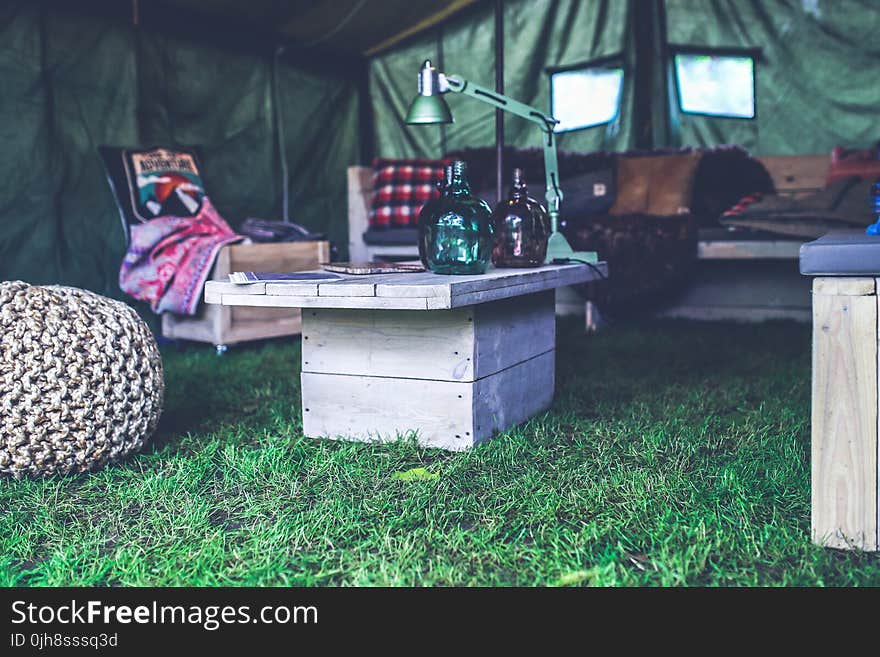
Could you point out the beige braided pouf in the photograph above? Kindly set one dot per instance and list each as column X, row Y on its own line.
column 80, row 380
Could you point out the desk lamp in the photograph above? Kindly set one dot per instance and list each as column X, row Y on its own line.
column 429, row 108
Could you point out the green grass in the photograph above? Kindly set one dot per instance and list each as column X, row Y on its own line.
column 674, row 454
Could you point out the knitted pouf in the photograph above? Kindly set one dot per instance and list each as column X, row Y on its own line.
column 80, row 380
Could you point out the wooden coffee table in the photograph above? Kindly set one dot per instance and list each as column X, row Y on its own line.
column 454, row 358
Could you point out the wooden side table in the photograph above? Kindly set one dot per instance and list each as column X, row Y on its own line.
column 845, row 503
column 453, row 358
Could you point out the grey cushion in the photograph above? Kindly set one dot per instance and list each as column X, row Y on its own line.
column 844, row 253
column 404, row 235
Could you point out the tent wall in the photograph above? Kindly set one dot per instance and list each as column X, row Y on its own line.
column 72, row 83
column 538, row 34
column 815, row 75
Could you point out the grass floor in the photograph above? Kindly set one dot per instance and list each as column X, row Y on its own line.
column 674, row 454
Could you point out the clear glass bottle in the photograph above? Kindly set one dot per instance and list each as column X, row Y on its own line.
column 522, row 228
column 455, row 231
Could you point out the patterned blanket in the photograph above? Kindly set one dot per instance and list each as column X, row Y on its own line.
column 169, row 259
column 843, row 204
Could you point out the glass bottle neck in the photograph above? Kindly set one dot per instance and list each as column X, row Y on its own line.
column 458, row 186
column 518, row 191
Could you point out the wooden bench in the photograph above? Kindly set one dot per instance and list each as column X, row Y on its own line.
column 453, row 358
column 360, row 195
column 225, row 326
column 755, row 279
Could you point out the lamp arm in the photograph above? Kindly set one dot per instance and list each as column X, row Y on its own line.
column 545, row 122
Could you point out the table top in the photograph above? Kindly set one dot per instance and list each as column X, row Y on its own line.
column 421, row 291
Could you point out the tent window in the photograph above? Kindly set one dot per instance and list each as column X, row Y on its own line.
column 717, row 85
column 585, row 97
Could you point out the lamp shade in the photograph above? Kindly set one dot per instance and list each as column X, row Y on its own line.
column 428, row 109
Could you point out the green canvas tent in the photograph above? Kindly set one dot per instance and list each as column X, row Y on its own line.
column 286, row 95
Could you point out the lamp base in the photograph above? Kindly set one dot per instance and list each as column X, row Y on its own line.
column 558, row 248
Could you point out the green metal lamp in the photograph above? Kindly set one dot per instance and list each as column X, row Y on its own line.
column 429, row 108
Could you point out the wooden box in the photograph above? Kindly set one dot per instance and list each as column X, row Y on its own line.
column 456, row 376
column 844, row 414
column 225, row 325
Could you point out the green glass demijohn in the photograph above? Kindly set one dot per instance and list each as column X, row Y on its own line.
column 455, row 230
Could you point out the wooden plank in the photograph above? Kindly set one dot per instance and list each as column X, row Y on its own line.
column 360, row 286
column 842, row 286
column 486, row 296
column 512, row 396
column 382, row 252
column 844, row 421
column 791, row 173
column 749, row 250
column 360, row 181
column 220, row 317
column 369, row 303
column 277, row 256
column 251, row 314
column 443, row 414
column 453, row 345
column 347, row 288
column 732, row 313
column 513, row 330
column 565, row 277
column 225, row 287
column 426, row 284
column 383, row 409
column 395, row 343
column 199, row 328
column 262, row 329
column 430, row 285
column 728, row 290
column 570, row 302
column 292, row 289
column 501, row 277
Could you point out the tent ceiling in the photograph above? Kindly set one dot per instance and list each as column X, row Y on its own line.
column 349, row 26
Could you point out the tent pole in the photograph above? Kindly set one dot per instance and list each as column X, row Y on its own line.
column 499, row 87
column 279, row 131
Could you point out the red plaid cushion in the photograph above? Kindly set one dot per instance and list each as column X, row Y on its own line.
column 401, row 188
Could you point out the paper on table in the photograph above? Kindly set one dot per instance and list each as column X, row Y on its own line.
column 243, row 277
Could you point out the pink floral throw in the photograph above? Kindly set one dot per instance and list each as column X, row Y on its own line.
column 169, row 259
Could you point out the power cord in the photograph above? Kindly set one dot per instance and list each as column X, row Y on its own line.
column 599, row 296
column 568, row 261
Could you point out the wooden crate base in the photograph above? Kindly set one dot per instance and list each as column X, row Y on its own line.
column 453, row 377
column 845, row 414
